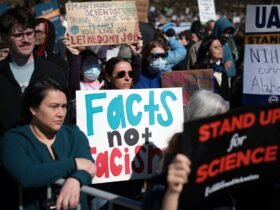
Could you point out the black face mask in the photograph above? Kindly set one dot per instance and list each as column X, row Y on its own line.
column 223, row 39
column 153, row 71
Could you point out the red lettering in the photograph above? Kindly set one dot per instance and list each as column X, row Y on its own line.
column 276, row 115
column 236, row 160
column 271, row 153
column 225, row 128
column 214, row 126
column 130, row 37
column 230, row 162
column 102, row 165
column 236, row 123
column 127, row 161
column 201, row 174
column 265, row 119
column 249, row 120
column 255, row 158
column 214, row 168
column 243, row 158
column 115, row 169
column 222, row 165
column 204, row 133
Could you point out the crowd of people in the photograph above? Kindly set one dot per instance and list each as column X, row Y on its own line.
column 40, row 142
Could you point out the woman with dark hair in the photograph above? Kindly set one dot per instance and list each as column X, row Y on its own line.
column 44, row 150
column 118, row 74
column 159, row 56
column 210, row 56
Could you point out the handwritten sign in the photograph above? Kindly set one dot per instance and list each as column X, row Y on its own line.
column 102, row 23
column 142, row 9
column 206, row 10
column 128, row 129
column 262, row 75
column 261, row 58
column 240, row 147
column 189, row 80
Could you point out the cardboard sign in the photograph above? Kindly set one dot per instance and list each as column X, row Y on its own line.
column 102, row 23
column 128, row 129
column 142, row 9
column 240, row 147
column 207, row 10
column 190, row 80
column 261, row 77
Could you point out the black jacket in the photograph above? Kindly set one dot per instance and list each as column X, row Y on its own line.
column 10, row 91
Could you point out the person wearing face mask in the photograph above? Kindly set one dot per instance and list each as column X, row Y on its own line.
column 85, row 69
column 223, row 30
column 159, row 56
column 91, row 70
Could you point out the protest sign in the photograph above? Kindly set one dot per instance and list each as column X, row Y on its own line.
column 102, row 23
column 261, row 77
column 189, row 80
column 50, row 11
column 142, row 9
column 127, row 129
column 207, row 10
column 229, row 150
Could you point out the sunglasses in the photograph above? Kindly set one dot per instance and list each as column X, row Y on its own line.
column 159, row 55
column 121, row 74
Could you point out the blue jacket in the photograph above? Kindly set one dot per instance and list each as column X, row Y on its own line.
column 29, row 162
column 218, row 30
column 176, row 53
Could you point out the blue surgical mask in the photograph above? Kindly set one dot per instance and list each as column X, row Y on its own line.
column 91, row 72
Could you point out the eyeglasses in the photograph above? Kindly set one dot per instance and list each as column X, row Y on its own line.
column 159, row 55
column 20, row 36
column 121, row 74
column 39, row 32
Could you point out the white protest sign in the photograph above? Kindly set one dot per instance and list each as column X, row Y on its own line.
column 206, row 10
column 127, row 129
column 262, row 70
column 261, row 78
column 262, row 18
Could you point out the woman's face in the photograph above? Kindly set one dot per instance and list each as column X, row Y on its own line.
column 51, row 113
column 216, row 50
column 157, row 53
column 122, row 76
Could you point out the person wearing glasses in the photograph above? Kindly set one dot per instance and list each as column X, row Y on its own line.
column 119, row 73
column 44, row 43
column 18, row 72
column 159, row 56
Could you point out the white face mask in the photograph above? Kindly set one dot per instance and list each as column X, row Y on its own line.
column 91, row 72
column 160, row 64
